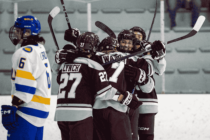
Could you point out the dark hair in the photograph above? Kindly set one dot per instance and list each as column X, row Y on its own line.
column 33, row 40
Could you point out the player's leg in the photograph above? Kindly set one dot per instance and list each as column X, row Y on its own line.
column 134, row 116
column 196, row 6
column 64, row 128
column 39, row 133
column 171, row 5
column 112, row 124
column 83, row 130
column 146, row 126
column 119, row 125
column 101, row 125
column 23, row 131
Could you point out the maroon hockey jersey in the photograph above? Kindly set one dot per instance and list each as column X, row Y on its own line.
column 80, row 83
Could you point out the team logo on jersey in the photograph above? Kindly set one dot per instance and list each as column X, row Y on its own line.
column 28, row 49
column 71, row 68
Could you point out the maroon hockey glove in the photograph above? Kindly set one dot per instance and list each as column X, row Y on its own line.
column 158, row 50
column 65, row 56
column 72, row 36
column 135, row 74
column 131, row 100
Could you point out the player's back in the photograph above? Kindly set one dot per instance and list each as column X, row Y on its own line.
column 80, row 82
column 115, row 71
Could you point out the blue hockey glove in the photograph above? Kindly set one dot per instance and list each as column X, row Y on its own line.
column 9, row 117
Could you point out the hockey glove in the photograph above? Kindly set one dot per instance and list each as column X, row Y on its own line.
column 63, row 55
column 135, row 74
column 9, row 117
column 72, row 36
column 60, row 56
column 131, row 100
column 158, row 50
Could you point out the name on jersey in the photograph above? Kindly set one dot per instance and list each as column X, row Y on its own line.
column 43, row 55
column 71, row 68
column 107, row 58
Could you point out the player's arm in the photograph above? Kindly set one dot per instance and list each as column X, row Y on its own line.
column 104, row 91
column 157, row 60
column 72, row 36
column 143, row 81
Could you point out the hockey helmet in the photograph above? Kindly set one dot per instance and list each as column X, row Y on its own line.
column 128, row 35
column 87, row 43
column 139, row 30
column 24, row 23
column 108, row 43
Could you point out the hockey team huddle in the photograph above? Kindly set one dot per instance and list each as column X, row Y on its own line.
column 95, row 101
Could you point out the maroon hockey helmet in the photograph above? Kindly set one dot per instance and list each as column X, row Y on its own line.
column 87, row 42
column 108, row 43
column 140, row 30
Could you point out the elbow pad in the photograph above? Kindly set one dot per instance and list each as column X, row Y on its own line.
column 147, row 87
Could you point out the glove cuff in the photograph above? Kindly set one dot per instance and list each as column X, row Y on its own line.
column 127, row 99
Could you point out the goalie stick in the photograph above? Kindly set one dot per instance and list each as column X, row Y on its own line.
column 105, row 28
column 195, row 29
column 66, row 15
column 51, row 16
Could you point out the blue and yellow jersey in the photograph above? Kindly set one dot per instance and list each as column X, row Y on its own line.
column 31, row 82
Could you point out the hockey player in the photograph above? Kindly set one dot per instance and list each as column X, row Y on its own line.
column 31, row 82
column 115, row 73
column 149, row 107
column 126, row 39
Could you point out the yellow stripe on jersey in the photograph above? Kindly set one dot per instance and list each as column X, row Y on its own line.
column 24, row 74
column 41, row 100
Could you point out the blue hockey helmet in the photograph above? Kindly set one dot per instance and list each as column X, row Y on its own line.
column 23, row 23
column 28, row 22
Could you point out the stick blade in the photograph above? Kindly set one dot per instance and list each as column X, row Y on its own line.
column 54, row 11
column 105, row 28
column 199, row 23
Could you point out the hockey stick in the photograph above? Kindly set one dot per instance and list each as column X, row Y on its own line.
column 105, row 28
column 66, row 15
column 152, row 22
column 195, row 29
column 51, row 16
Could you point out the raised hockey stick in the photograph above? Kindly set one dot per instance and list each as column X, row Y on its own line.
column 152, row 22
column 51, row 16
column 66, row 15
column 195, row 29
column 105, row 28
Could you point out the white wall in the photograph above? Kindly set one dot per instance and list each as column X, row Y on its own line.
column 180, row 117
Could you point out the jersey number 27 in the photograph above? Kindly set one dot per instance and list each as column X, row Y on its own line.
column 66, row 78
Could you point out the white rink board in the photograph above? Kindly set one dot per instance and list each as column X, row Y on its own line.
column 180, row 117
